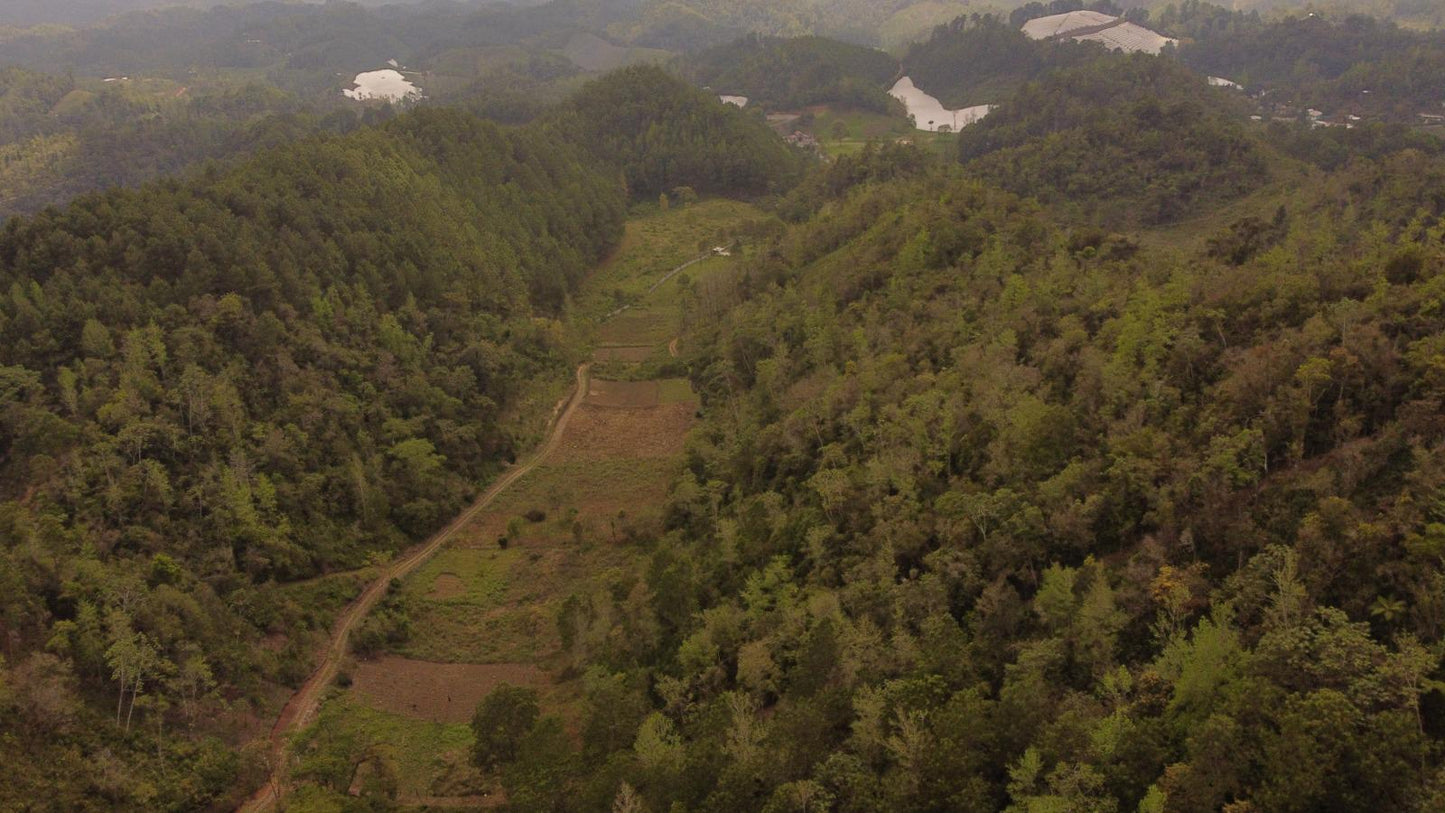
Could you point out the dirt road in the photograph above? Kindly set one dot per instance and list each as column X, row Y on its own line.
column 304, row 703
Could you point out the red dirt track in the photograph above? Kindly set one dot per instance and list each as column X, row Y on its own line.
column 303, row 705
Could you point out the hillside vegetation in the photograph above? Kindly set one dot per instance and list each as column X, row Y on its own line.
column 220, row 390
column 989, row 513
column 60, row 137
column 1120, row 140
column 983, row 60
column 667, row 134
column 794, row 73
column 1097, row 465
column 1339, row 64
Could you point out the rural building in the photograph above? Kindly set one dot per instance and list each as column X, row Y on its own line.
column 1114, row 33
column 802, row 139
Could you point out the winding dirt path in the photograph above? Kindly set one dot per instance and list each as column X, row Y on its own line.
column 303, row 704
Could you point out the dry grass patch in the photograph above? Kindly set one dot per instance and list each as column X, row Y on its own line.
column 439, row 692
column 635, row 354
column 447, row 585
column 605, row 484
column 639, row 326
column 623, row 393
column 676, row 391
column 601, row 433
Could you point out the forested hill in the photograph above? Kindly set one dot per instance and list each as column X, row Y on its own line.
column 987, row 513
column 792, row 73
column 263, row 373
column 60, row 137
column 1337, row 63
column 219, row 389
column 667, row 134
column 982, row 60
column 1120, row 140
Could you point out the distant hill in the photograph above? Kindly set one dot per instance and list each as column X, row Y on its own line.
column 1427, row 13
column 665, row 134
column 1341, row 65
column 970, row 62
column 85, row 12
column 1122, row 140
column 792, row 73
column 889, row 23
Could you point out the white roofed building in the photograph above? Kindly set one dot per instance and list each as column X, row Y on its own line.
column 1061, row 25
column 1114, row 33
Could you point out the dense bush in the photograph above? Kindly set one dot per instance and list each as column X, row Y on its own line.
column 667, row 134
column 261, row 374
column 990, row 514
column 793, row 73
column 1119, row 140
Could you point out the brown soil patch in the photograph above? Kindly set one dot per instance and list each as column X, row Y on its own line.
column 447, row 585
column 497, row 799
column 627, row 355
column 636, row 326
column 610, row 433
column 440, row 692
column 623, row 393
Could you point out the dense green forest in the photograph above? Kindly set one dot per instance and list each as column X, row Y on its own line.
column 792, row 73
column 1094, row 465
column 983, row 60
column 989, row 512
column 60, row 138
column 1126, row 139
column 155, row 93
column 258, row 375
column 300, row 47
column 668, row 134
column 223, row 388
column 1339, row 64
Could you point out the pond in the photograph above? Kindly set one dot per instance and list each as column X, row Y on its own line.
column 384, row 84
column 929, row 113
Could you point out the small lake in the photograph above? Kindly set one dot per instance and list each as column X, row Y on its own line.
column 385, row 84
column 929, row 113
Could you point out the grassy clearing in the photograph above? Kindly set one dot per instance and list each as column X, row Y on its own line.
column 635, row 342
column 508, row 611
column 835, row 124
column 426, row 758
column 1290, row 180
column 655, row 243
column 846, row 131
column 642, row 325
column 317, row 601
column 481, row 576
column 676, row 391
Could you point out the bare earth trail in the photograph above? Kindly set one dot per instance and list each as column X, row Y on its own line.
column 303, row 705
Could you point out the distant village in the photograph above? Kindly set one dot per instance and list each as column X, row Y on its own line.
column 1115, row 33
column 1122, row 35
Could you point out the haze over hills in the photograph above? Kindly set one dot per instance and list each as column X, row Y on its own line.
column 83, row 12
